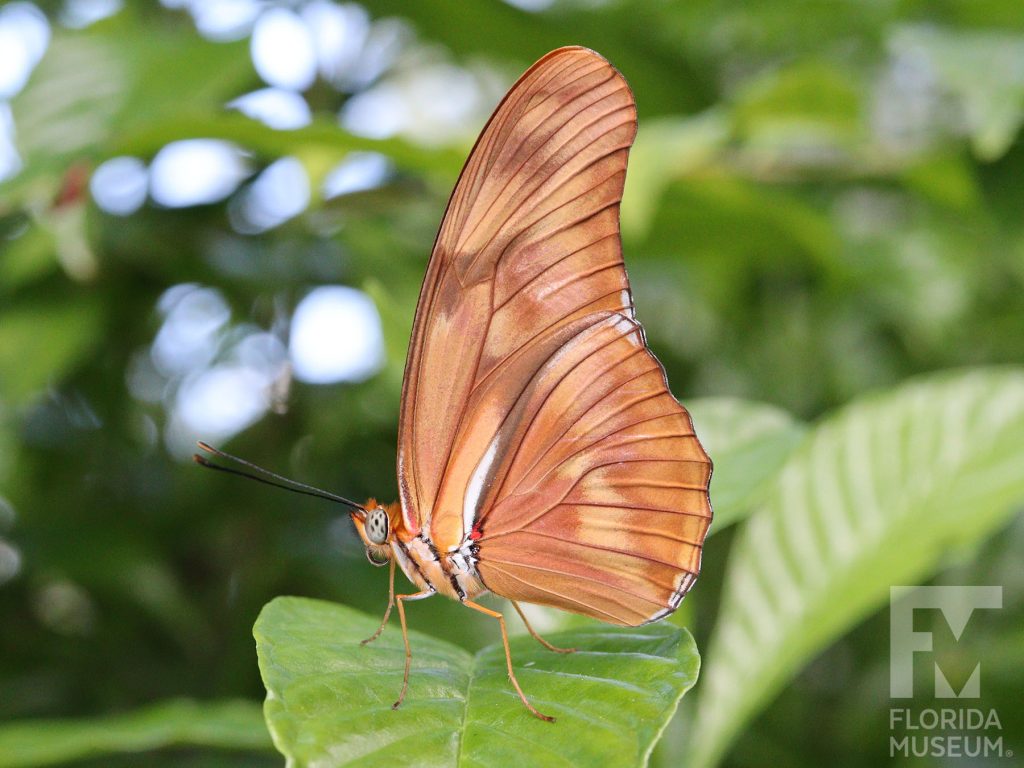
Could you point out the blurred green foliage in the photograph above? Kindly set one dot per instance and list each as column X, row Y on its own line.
column 824, row 199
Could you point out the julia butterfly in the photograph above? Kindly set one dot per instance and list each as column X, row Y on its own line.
column 541, row 455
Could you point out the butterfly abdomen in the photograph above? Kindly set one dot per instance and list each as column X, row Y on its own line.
column 452, row 574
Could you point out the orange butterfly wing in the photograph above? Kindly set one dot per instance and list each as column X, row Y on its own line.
column 533, row 417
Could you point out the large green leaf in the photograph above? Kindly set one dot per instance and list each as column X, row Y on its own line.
column 747, row 442
column 225, row 724
column 876, row 496
column 329, row 698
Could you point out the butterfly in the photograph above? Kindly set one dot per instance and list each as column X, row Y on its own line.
column 541, row 455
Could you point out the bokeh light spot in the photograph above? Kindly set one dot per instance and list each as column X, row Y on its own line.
column 81, row 13
column 224, row 20
column 10, row 160
column 222, row 400
column 339, row 34
column 336, row 336
column 276, row 107
column 533, row 6
column 283, row 51
column 119, row 185
column 377, row 114
column 188, row 338
column 280, row 192
column 66, row 608
column 24, row 35
column 431, row 104
column 10, row 561
column 357, row 172
column 196, row 172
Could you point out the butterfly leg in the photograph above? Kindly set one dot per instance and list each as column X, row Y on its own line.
column 391, row 604
column 400, row 602
column 537, row 637
column 508, row 657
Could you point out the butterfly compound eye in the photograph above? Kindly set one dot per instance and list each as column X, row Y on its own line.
column 377, row 526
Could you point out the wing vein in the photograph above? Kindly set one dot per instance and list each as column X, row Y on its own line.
column 596, row 547
column 589, row 606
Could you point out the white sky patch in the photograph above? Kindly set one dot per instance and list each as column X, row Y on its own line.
column 193, row 320
column 24, row 35
column 10, row 160
column 78, row 14
column 279, row 193
column 377, row 114
column 336, row 336
column 283, row 50
column 224, row 20
column 431, row 104
column 357, row 172
column 530, row 5
column 216, row 404
column 339, row 34
column 119, row 185
column 262, row 351
column 278, row 108
column 214, row 379
column 196, row 172
column 385, row 41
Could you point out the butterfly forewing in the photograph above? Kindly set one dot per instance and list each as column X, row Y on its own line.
column 533, row 417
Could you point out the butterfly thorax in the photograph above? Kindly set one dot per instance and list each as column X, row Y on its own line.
column 452, row 573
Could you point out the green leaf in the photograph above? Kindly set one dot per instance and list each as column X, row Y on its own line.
column 329, row 698
column 225, row 724
column 809, row 107
column 26, row 258
column 666, row 149
column 747, row 442
column 877, row 495
column 40, row 342
column 320, row 138
column 963, row 63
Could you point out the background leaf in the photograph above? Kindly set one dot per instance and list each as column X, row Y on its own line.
column 329, row 698
column 40, row 341
column 992, row 108
column 226, row 724
column 874, row 498
column 748, row 443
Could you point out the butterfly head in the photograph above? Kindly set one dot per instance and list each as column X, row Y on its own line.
column 376, row 526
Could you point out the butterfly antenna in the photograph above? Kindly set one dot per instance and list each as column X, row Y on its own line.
column 262, row 475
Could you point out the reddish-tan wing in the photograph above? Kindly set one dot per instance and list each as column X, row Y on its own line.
column 534, row 418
